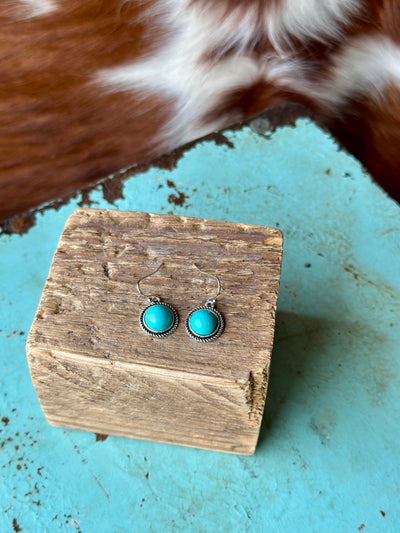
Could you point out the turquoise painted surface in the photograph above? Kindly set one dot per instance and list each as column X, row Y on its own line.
column 328, row 456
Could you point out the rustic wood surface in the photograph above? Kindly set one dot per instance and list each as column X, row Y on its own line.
column 95, row 369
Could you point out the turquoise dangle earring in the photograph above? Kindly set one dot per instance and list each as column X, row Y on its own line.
column 205, row 323
column 157, row 319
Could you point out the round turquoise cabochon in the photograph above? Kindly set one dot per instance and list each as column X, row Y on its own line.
column 203, row 322
column 158, row 318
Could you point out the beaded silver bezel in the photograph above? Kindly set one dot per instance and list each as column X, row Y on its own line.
column 166, row 332
column 212, row 336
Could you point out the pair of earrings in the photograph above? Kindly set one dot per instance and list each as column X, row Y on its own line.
column 159, row 319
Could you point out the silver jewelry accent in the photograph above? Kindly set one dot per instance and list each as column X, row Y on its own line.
column 209, row 306
column 156, row 300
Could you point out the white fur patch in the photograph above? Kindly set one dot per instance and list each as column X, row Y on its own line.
column 364, row 67
column 179, row 71
column 315, row 19
column 37, row 8
column 193, row 91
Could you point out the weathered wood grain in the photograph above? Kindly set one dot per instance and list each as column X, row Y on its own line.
column 95, row 369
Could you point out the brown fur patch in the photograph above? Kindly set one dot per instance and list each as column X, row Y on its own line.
column 59, row 131
column 370, row 129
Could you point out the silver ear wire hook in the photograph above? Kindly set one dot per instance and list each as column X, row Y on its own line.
column 211, row 301
column 150, row 297
column 159, row 318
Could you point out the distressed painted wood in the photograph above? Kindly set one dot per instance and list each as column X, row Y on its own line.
column 93, row 367
column 335, row 372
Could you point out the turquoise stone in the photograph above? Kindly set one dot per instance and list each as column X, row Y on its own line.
column 158, row 318
column 203, row 322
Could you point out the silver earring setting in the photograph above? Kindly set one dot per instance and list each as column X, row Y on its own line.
column 205, row 323
column 157, row 319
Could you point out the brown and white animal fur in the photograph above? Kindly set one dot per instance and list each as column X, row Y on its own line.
column 89, row 87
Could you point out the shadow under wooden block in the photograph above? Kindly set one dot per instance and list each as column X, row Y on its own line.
column 94, row 368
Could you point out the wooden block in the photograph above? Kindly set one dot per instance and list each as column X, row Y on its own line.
column 93, row 367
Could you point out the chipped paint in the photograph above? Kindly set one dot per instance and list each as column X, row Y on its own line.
column 330, row 439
